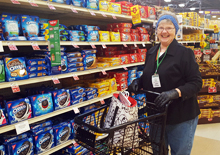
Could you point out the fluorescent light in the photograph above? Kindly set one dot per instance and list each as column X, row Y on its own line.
column 181, row 5
column 218, row 18
column 213, row 16
column 201, row 11
column 192, row 9
column 167, row 0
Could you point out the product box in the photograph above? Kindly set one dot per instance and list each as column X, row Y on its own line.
column 76, row 69
column 92, row 4
column 77, row 38
column 139, row 74
column 63, row 32
column 151, row 12
column 115, row 36
column 80, row 3
column 89, row 97
column 89, row 61
column 3, row 120
column 2, row 150
column 122, row 30
column 42, row 104
column 78, row 96
column 76, row 33
column 91, row 91
column 77, row 59
column 135, row 37
column 36, row 68
column 2, row 71
column 18, row 110
column 144, row 37
column 37, row 61
column 114, row 8
column 133, row 58
column 73, row 102
column 41, row 125
column 104, row 36
column 77, row 90
column 62, row 133
column 37, row 74
column 73, row 54
column 75, row 64
column 61, row 98
column 86, row 28
column 18, row 38
column 15, row 69
column 122, row 86
column 24, row 146
column 125, row 36
column 103, row 5
column 141, row 57
column 92, row 36
column 64, row 38
column 64, row 64
column 30, row 26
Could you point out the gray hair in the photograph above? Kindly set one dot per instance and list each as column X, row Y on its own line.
column 168, row 13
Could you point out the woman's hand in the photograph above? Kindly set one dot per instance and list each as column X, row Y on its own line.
column 134, row 86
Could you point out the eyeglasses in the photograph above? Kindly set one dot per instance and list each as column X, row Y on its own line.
column 168, row 29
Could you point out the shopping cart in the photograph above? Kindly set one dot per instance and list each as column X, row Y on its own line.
column 148, row 131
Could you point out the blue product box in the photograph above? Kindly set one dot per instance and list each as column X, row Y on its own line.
column 64, row 38
column 36, row 38
column 85, row 52
column 35, row 68
column 57, row 1
column 80, row 3
column 37, row 74
column 72, row 128
column 87, row 28
column 77, row 38
column 62, row 133
column 30, row 26
column 41, row 125
column 91, row 91
column 41, row 130
column 73, row 102
column 61, row 98
column 77, row 59
column 5, row 139
column 88, row 108
column 92, row 36
column 139, row 74
column 42, row 104
column 32, row 62
column 92, row 4
column 77, row 90
column 44, row 141
column 78, row 96
column 15, row 69
column 140, row 97
column 132, row 75
column 19, row 38
column 24, row 146
column 52, row 70
column 131, row 72
column 1, row 36
column 2, row 150
column 18, row 110
column 68, row 2
column 76, row 69
column 76, row 33
column 64, row 64
column 89, row 97
column 75, row 64
column 64, row 32
column 131, row 79
column 3, row 120
column 73, row 54
column 62, row 27
column 89, row 61
column 74, row 149
column 44, row 26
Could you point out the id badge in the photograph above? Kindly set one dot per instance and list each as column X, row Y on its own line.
column 156, row 81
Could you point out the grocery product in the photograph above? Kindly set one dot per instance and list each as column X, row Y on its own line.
column 104, row 36
column 61, row 98
column 92, row 4
column 62, row 132
column 2, row 71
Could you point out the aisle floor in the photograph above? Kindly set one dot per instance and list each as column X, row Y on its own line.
column 207, row 140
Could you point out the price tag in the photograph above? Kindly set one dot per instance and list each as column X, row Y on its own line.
column 35, row 46
column 12, row 46
column 186, row 43
column 92, row 45
column 103, row 45
column 51, row 6
column 32, row 3
column 55, row 80
column 102, row 101
column 186, row 27
column 135, row 45
column 72, row 8
column 125, row 68
column 104, row 72
column 92, row 13
column 15, row 2
column 15, row 88
column 154, row 24
column 74, row 142
column 76, row 110
column 143, row 44
column 209, row 119
column 75, row 77
column 113, row 16
column 22, row 127
column 74, row 45
column 103, row 14
column 125, row 45
column 212, row 90
column 194, row 43
column 1, row 47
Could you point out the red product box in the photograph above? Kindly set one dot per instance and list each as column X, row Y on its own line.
column 123, row 25
column 112, row 48
column 122, row 30
column 125, row 3
column 141, row 30
column 124, row 58
column 143, row 11
column 125, row 36
column 122, row 79
column 110, row 53
column 135, row 37
column 144, row 37
column 126, row 9
column 141, row 57
column 122, row 86
column 134, row 31
column 126, row 13
column 151, row 11
column 144, row 50
column 121, row 52
column 133, row 58
column 118, row 74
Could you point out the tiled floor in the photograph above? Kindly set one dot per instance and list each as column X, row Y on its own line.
column 207, row 140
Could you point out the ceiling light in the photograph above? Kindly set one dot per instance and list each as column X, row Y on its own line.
column 192, row 9
column 167, row 0
column 201, row 11
column 218, row 18
column 181, row 5
column 213, row 16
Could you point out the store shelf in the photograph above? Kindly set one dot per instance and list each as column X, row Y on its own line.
column 25, row 43
column 61, row 76
column 56, row 148
column 55, row 113
column 206, row 29
column 183, row 42
column 64, row 9
column 192, row 27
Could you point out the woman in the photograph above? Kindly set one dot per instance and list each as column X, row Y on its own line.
column 171, row 70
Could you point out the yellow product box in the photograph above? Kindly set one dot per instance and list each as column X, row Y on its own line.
column 103, row 5
column 99, row 85
column 103, row 94
column 115, row 36
column 46, row 37
column 104, row 36
column 103, row 64
column 106, row 59
column 187, row 38
column 112, row 85
column 114, row 64
column 103, row 89
column 114, row 8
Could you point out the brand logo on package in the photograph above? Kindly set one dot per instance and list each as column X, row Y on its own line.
column 13, row 68
column 44, row 139
column 53, row 22
column 19, row 109
column 22, row 148
column 63, row 133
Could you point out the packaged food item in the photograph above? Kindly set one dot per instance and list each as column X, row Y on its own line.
column 89, row 97
column 15, row 69
column 45, row 32
column 151, row 12
column 115, row 36
column 135, row 37
column 78, row 96
column 87, row 28
column 99, row 85
column 61, row 98
column 64, row 38
column 142, row 50
column 110, row 53
column 105, row 59
column 125, row 36
column 104, row 36
column 122, row 86
column 92, row 36
column 77, row 90
column 62, row 133
column 80, row 3
column 114, row 63
column 90, row 91
column 35, row 68
column 37, row 74
column 76, row 33
column 89, row 61
column 134, row 31
column 73, row 102
column 103, row 64
column 103, row 90
column 141, row 30
column 18, row 38
column 141, row 57
column 2, row 71
column 41, row 125
column 2, row 149
column 30, row 25
column 24, row 146
column 75, row 64
column 92, row 4
column 114, row 8
column 73, row 54
column 143, row 11
column 122, row 30
column 77, row 38
column 76, row 69
column 144, row 37
column 139, row 74
column 42, row 104
column 3, row 120
column 103, row 5
column 103, row 94
column 133, row 58
column 85, row 52
column 77, row 59
column 125, row 58
column 62, row 27
column 32, row 62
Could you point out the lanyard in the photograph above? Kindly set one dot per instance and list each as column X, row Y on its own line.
column 158, row 55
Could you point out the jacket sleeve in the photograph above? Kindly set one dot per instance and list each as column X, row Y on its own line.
column 192, row 76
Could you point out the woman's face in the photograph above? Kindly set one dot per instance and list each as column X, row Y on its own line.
column 166, row 32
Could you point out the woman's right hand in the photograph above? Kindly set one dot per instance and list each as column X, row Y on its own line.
column 134, row 87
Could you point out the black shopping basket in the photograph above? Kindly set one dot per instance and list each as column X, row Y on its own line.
column 150, row 126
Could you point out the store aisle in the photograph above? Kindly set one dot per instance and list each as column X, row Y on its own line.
column 207, row 140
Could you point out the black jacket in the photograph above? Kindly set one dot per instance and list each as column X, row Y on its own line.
column 178, row 70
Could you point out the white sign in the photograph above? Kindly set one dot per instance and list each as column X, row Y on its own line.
column 22, row 127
